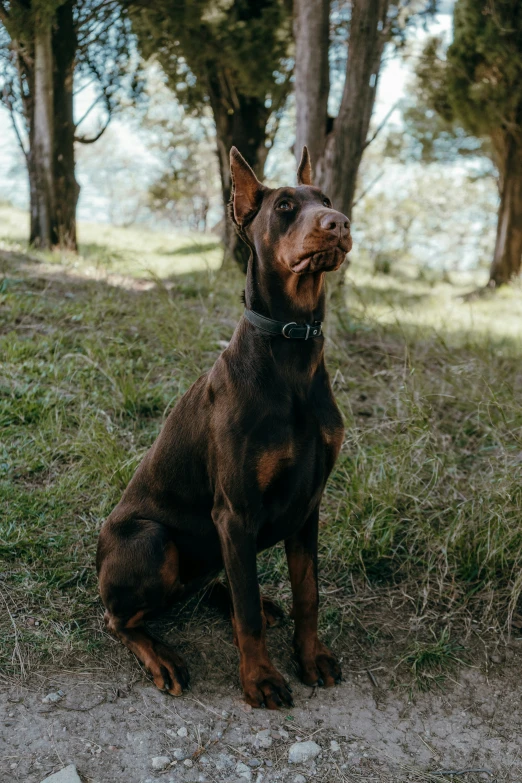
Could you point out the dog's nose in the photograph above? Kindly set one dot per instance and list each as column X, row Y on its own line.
column 335, row 222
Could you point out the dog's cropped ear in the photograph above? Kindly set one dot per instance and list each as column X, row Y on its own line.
column 247, row 191
column 304, row 172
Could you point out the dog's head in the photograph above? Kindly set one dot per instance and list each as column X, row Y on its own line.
column 293, row 229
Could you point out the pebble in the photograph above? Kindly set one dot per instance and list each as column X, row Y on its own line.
column 159, row 763
column 52, row 698
column 182, row 732
column 254, row 763
column 263, row 739
column 188, row 763
column 300, row 752
column 224, row 762
column 299, row 779
column 243, row 771
column 178, row 754
column 65, row 775
column 334, row 746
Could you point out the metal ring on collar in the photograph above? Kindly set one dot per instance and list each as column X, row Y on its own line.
column 285, row 327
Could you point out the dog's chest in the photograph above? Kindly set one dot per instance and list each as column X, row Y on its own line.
column 292, row 470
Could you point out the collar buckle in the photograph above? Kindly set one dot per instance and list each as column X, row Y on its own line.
column 283, row 331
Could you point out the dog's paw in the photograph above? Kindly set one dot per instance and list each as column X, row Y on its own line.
column 168, row 670
column 319, row 666
column 267, row 688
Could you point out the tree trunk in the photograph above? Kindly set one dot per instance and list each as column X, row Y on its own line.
column 66, row 188
column 348, row 140
column 508, row 247
column 47, row 71
column 240, row 122
column 42, row 137
column 312, row 77
column 336, row 155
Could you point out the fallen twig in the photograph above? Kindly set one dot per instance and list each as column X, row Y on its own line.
column 462, row 771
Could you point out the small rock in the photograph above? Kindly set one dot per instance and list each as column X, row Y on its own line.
column 334, row 746
column 269, row 763
column 188, row 763
column 300, row 752
column 182, row 732
column 495, row 658
column 224, row 762
column 52, row 698
column 179, row 754
column 243, row 771
column 254, row 763
column 65, row 775
column 263, row 739
column 225, row 715
column 159, row 763
column 299, row 779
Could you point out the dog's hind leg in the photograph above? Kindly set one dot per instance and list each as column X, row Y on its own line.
column 139, row 575
column 218, row 596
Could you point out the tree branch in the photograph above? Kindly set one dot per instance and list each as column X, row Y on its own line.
column 381, row 125
column 7, row 102
column 91, row 107
column 367, row 189
column 85, row 140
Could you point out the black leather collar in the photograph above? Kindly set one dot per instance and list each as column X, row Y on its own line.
column 292, row 330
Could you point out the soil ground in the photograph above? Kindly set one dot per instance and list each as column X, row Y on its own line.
column 111, row 721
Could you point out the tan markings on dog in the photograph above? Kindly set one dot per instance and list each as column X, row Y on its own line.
column 169, row 571
column 271, row 462
column 304, row 290
column 135, row 620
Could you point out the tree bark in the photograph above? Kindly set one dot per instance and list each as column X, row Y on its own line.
column 45, row 64
column 66, row 188
column 337, row 154
column 508, row 246
column 240, row 122
column 42, row 136
column 347, row 143
column 312, row 77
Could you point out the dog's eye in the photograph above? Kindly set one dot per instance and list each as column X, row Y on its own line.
column 285, row 205
column 327, row 202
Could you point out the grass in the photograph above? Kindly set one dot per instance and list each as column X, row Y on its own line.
column 422, row 520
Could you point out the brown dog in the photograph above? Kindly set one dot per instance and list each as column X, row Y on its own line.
column 243, row 458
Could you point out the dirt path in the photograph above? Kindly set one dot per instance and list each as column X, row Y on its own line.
column 111, row 731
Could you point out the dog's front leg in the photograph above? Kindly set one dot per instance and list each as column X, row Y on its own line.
column 262, row 684
column 318, row 665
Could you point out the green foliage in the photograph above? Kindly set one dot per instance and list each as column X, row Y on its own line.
column 428, row 137
column 243, row 43
column 105, row 54
column 479, row 80
column 186, row 190
column 485, row 65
